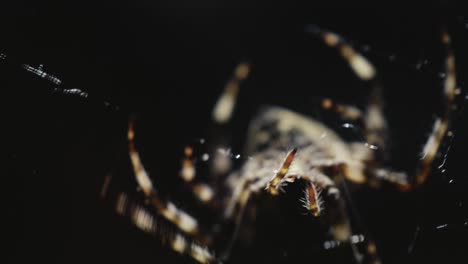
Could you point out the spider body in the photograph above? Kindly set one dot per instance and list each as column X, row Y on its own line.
column 287, row 149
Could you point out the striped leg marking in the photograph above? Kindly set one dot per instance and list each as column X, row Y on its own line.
column 440, row 130
column 224, row 107
column 148, row 223
column 374, row 120
column 346, row 112
column 274, row 183
column 168, row 210
column 202, row 191
column 442, row 124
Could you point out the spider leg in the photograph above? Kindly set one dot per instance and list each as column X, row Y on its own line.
column 185, row 222
column 374, row 120
column 363, row 247
column 442, row 124
column 221, row 115
column 339, row 204
column 440, row 131
column 203, row 192
column 147, row 222
column 222, row 112
column 235, row 211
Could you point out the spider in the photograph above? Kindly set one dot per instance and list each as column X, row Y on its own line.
column 286, row 149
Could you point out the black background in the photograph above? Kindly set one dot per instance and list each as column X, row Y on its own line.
column 165, row 66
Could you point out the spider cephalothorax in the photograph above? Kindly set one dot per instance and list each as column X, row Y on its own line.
column 287, row 148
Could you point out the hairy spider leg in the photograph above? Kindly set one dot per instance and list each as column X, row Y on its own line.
column 374, row 120
column 442, row 124
column 375, row 123
column 147, row 222
column 440, row 130
column 222, row 113
column 185, row 222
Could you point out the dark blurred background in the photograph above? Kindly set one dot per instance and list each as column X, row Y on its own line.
column 165, row 66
